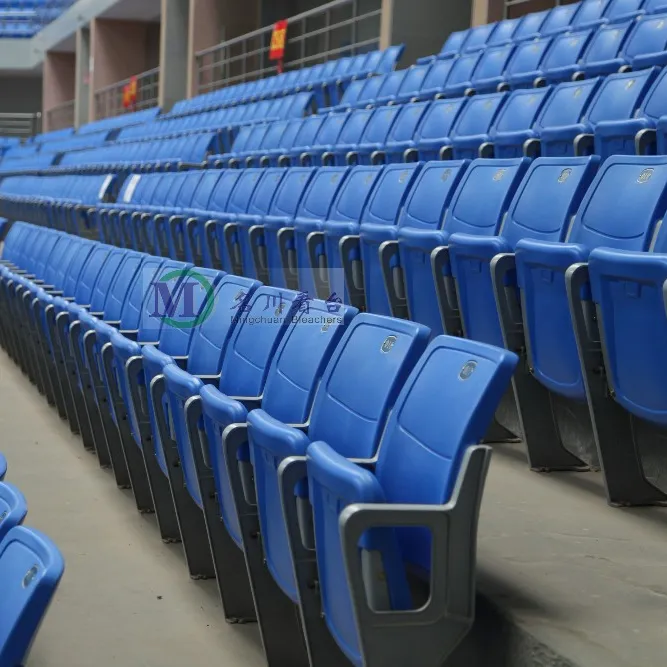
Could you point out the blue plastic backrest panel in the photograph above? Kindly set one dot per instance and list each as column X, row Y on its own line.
column 568, row 103
column 407, row 121
column 292, row 187
column 386, row 199
column 266, row 191
column 211, row 337
column 437, row 76
column 648, row 37
column 462, row 71
column 654, row 105
column 76, row 267
column 331, row 128
column 566, row 49
column 309, row 129
column 380, row 123
column 101, row 288
column 243, row 191
column 472, row 378
column 255, row 340
column 478, row 36
column 439, row 119
column 193, row 304
column 352, row 197
column 301, row 358
column 527, row 57
column 504, row 31
column 559, row 18
column 454, row 43
column 561, row 181
column 188, row 189
column 625, row 222
column 521, row 109
column 627, row 286
column 379, row 353
column 30, row 568
column 355, row 127
column 590, row 12
column 13, row 508
column 621, row 8
column 323, row 187
column 91, row 272
column 223, row 190
column 620, row 95
column 120, row 285
column 207, row 185
column 431, row 194
column 607, row 41
column 138, row 293
column 478, row 115
column 530, row 26
column 493, row 62
column 483, row 196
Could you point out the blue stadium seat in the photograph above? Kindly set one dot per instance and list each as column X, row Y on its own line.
column 560, row 19
column 403, row 130
column 604, row 219
column 436, row 79
column 530, row 26
column 618, row 97
column 31, row 567
column 621, row 10
column 13, row 509
column 562, row 60
column 524, row 68
column 646, row 45
column 469, row 135
column 478, row 37
column 515, row 132
column 459, row 81
column 604, row 53
column 363, row 509
column 489, row 74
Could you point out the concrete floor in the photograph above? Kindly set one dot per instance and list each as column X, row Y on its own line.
column 126, row 599
column 585, row 580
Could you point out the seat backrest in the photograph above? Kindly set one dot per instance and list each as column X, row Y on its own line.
column 590, row 12
column 370, row 91
column 301, row 358
column 479, row 36
column 378, row 353
column 137, row 293
column 223, row 189
column 454, row 44
column 493, row 62
column 256, row 136
column 211, row 337
column 413, row 81
column 621, row 8
column 380, row 124
column 308, row 131
column 90, row 272
column 201, row 197
column 387, row 197
column 563, row 182
column 119, row 285
column 289, row 135
column 530, row 26
column 352, row 92
column 504, row 32
column 274, row 133
column 321, row 192
column 187, row 190
column 392, row 84
column 478, row 115
column 290, row 192
column 255, row 339
column 30, row 568
column 654, row 105
column 568, row 103
column 520, row 110
column 462, row 70
column 407, row 121
column 607, row 42
column 439, row 119
column 242, row 138
column 648, row 36
column 559, row 19
column 355, row 127
column 528, row 56
column 101, row 287
column 431, row 194
column 620, row 95
column 566, row 49
column 330, row 129
column 266, row 189
column 193, row 304
column 352, row 197
column 482, row 216
column 436, row 78
column 243, row 191
column 60, row 260
column 625, row 222
column 13, row 509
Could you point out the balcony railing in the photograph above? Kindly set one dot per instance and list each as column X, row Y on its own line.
column 61, row 116
column 109, row 100
column 336, row 29
column 20, row 124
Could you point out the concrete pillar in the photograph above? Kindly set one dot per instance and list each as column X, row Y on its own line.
column 424, row 31
column 58, row 82
column 119, row 50
column 83, row 67
column 487, row 11
column 174, row 50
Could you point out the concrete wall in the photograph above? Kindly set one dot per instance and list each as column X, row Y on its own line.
column 23, row 94
column 425, row 30
column 58, row 82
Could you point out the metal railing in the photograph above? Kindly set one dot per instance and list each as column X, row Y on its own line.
column 336, row 29
column 109, row 100
column 21, row 125
column 60, row 116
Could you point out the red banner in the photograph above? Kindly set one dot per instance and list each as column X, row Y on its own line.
column 278, row 39
column 130, row 93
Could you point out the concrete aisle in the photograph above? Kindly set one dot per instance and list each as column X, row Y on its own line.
column 126, row 598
